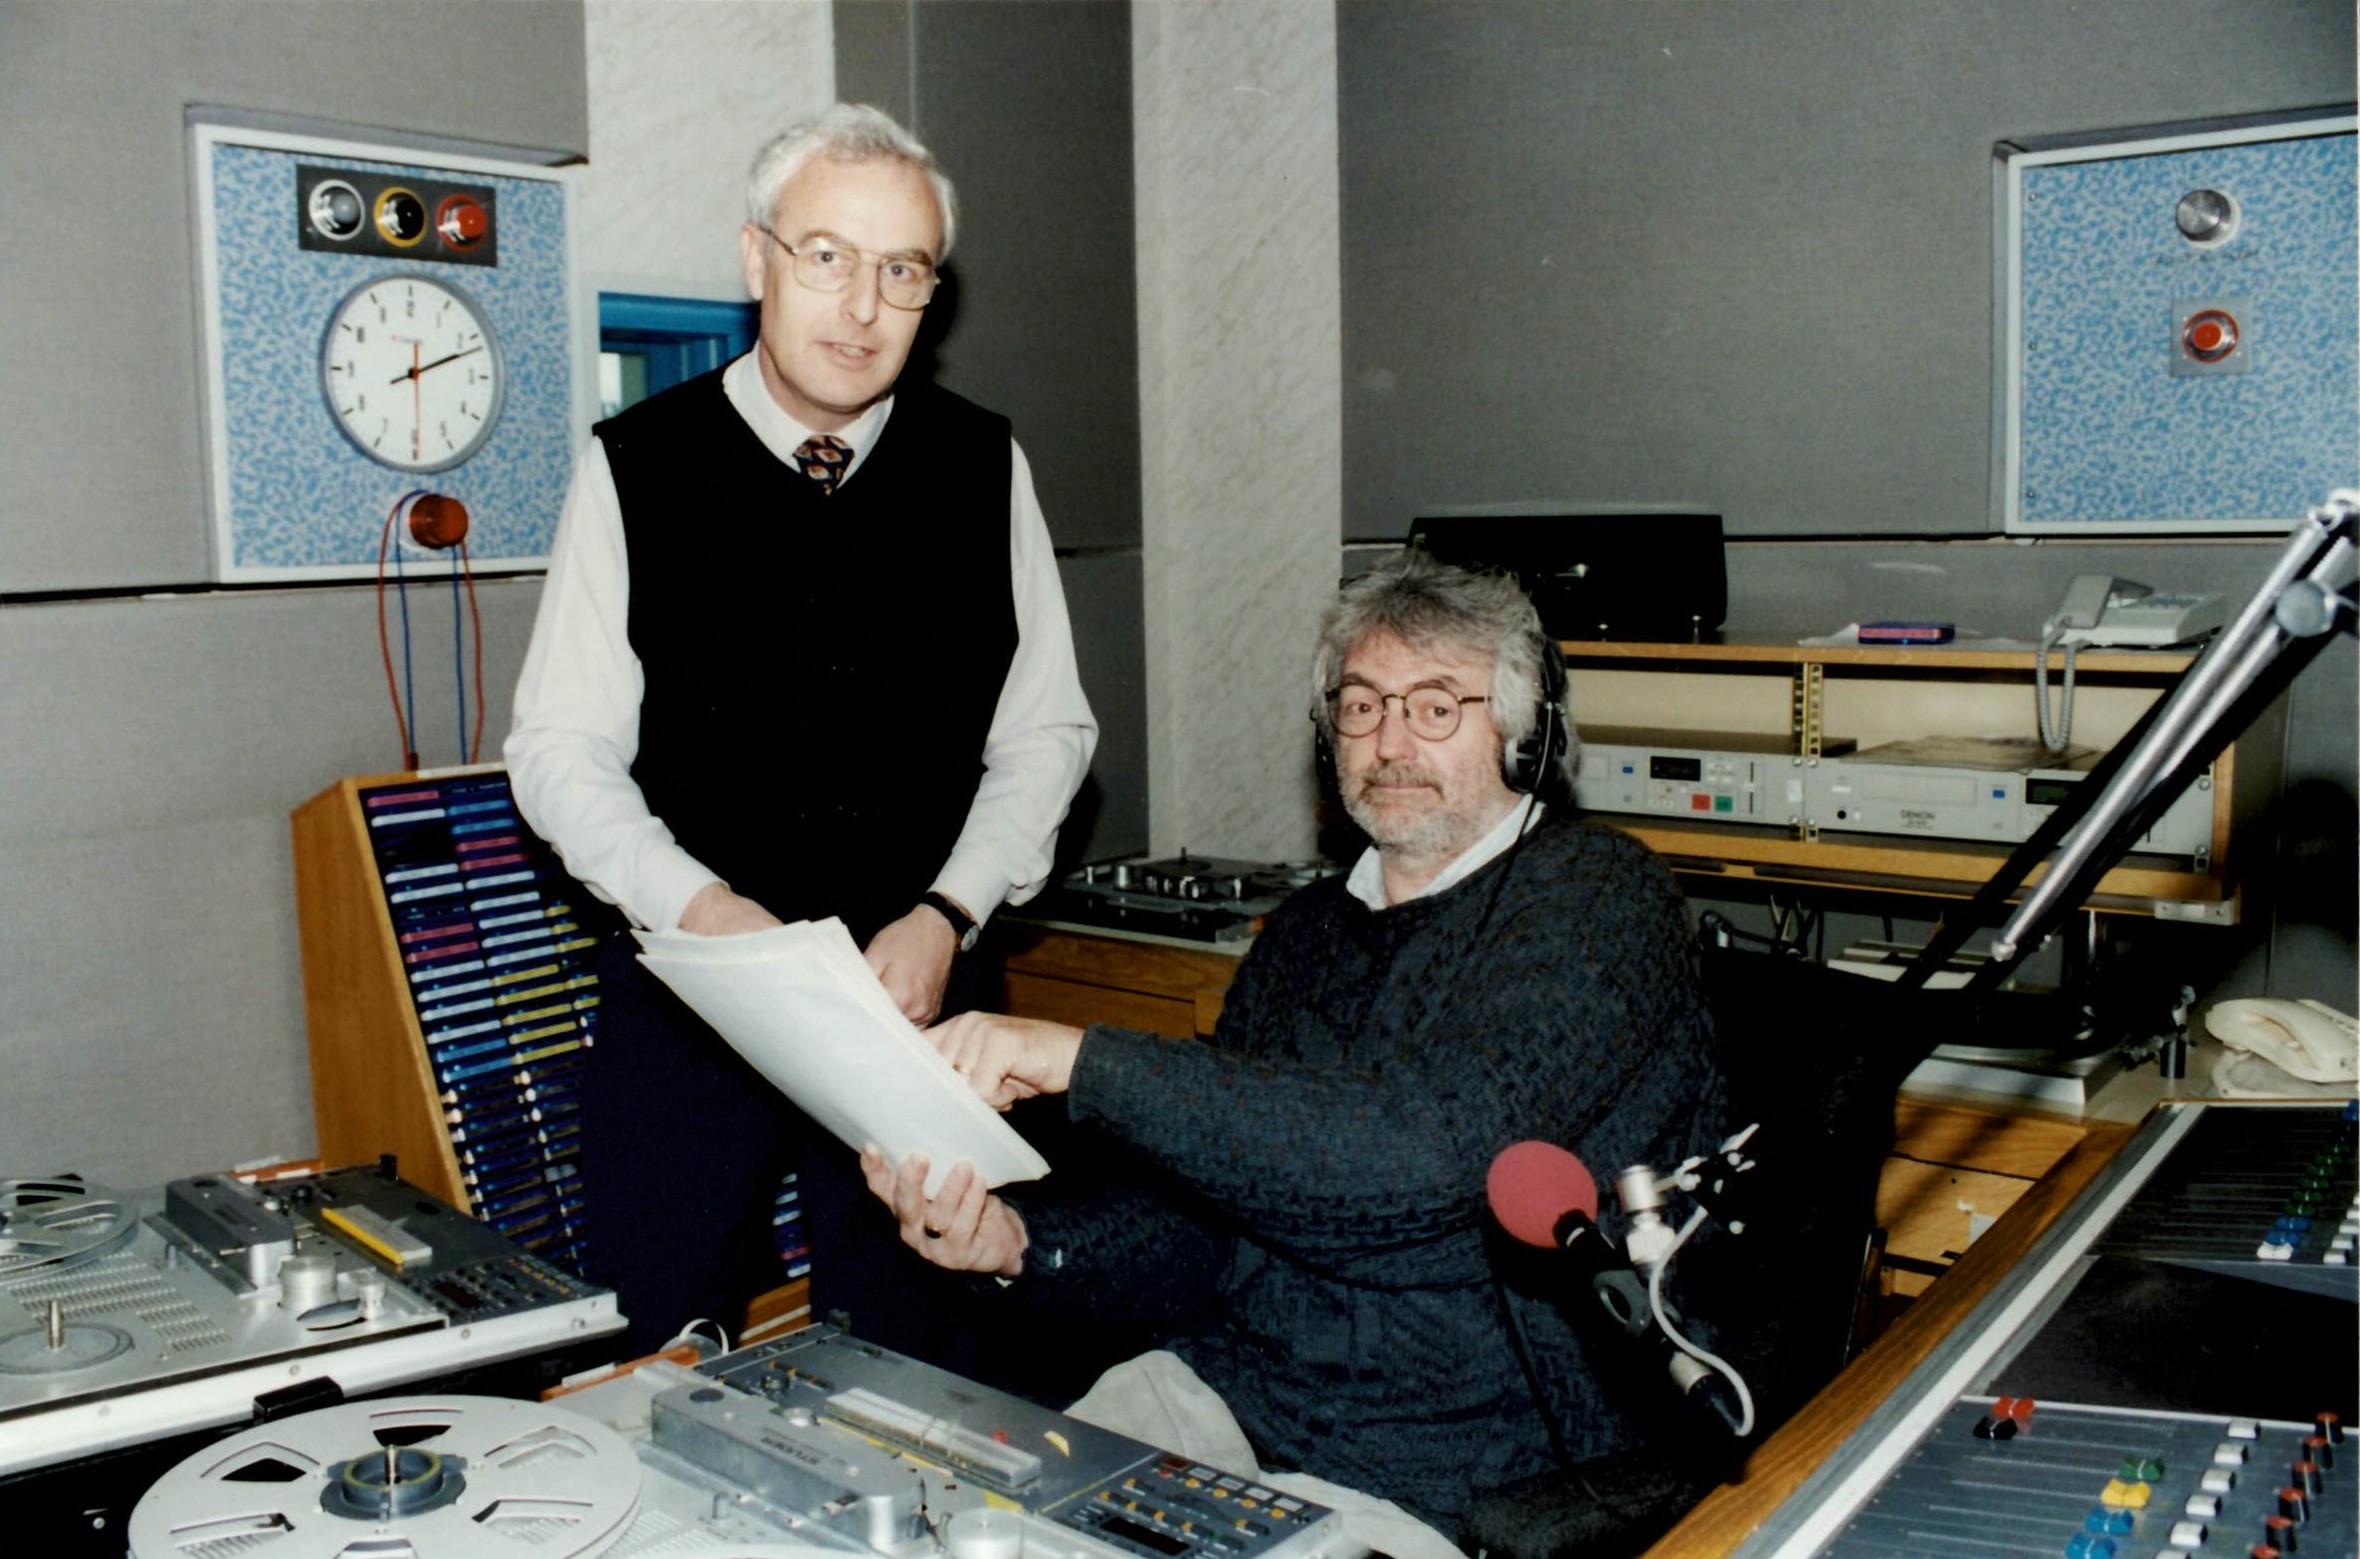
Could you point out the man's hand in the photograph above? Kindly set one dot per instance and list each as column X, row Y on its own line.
column 912, row 958
column 963, row 1227
column 1007, row 1059
column 716, row 911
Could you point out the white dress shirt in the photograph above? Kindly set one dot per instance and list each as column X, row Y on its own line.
column 576, row 728
column 1367, row 880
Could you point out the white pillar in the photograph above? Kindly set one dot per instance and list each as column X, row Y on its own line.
column 1241, row 421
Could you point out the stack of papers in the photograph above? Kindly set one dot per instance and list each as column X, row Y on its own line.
column 803, row 1006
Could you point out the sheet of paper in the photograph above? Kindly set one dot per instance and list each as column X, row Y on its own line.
column 800, row 1003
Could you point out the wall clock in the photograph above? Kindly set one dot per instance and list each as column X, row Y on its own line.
column 411, row 370
column 380, row 318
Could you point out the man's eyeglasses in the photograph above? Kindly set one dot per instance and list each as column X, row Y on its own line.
column 1432, row 712
column 828, row 265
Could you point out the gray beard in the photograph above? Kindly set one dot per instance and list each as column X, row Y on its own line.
column 1427, row 838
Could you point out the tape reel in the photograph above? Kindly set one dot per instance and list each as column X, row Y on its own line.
column 44, row 1222
column 457, row 1477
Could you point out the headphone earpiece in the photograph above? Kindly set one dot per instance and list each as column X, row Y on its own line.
column 1525, row 766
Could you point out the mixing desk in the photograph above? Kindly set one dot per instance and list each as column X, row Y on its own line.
column 2167, row 1374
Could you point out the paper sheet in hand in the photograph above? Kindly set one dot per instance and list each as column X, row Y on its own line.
column 801, row 1004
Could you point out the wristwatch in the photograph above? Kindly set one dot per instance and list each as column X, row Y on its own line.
column 961, row 922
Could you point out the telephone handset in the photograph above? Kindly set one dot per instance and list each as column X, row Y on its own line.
column 2099, row 609
column 2305, row 1039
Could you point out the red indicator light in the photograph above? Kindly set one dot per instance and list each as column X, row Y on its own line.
column 2209, row 335
column 462, row 221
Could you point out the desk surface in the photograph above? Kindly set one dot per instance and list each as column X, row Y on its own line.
column 1729, row 1513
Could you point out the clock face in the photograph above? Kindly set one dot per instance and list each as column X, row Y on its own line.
column 412, row 372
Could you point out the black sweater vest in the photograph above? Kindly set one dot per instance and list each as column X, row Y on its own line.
column 821, row 672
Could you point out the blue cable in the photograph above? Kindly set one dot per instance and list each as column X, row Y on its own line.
column 401, row 590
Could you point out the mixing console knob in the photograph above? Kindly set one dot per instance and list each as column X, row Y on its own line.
column 2329, row 1427
column 2278, row 1534
column 2307, row 1478
column 2294, row 1504
column 2317, row 1449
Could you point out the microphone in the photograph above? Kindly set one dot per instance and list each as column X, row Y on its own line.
column 1533, row 1186
column 1545, row 1197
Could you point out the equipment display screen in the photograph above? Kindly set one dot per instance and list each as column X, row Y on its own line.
column 1675, row 768
column 2047, row 792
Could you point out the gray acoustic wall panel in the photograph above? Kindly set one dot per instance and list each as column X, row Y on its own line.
column 151, row 751
column 1730, row 253
column 1029, row 107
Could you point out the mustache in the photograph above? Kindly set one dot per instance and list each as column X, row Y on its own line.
column 1398, row 774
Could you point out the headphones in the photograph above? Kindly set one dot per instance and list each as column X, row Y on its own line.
column 1525, row 766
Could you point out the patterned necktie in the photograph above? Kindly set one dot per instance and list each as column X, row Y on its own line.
column 824, row 458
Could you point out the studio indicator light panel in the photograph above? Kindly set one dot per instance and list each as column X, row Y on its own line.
column 377, row 321
column 2176, row 332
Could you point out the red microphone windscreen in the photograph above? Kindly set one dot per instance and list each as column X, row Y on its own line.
column 1533, row 1184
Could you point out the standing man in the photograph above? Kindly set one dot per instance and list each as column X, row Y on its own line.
column 802, row 652
column 1299, row 1203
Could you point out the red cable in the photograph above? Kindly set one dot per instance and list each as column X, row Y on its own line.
column 385, row 644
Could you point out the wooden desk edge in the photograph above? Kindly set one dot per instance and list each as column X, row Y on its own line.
column 1724, row 1518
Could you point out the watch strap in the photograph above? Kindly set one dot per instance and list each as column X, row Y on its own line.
column 961, row 922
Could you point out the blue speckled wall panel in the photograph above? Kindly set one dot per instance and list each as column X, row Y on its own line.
column 2110, row 436
column 301, row 501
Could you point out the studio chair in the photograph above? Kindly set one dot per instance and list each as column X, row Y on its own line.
column 1816, row 1057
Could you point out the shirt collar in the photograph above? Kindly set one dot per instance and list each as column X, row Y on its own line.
column 1367, row 881
column 781, row 434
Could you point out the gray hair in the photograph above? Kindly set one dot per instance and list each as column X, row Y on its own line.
column 1472, row 614
column 848, row 132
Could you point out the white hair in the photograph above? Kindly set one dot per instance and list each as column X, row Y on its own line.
column 848, row 132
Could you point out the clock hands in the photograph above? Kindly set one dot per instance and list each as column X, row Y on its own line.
column 417, row 369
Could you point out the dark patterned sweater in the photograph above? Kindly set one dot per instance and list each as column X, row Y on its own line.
column 1299, row 1202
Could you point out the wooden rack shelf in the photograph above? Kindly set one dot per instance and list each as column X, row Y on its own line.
column 1808, row 696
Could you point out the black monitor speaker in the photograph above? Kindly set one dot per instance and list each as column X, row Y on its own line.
column 1598, row 576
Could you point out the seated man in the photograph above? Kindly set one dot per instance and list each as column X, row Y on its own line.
column 1299, row 1203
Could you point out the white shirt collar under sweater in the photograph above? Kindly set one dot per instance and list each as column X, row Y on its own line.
column 1367, row 882
column 781, row 434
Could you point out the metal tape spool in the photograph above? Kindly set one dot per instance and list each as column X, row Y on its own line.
column 456, row 1477
column 43, row 1222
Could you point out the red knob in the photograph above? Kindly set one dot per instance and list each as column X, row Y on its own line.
column 462, row 221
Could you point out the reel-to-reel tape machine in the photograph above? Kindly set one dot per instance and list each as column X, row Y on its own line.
column 133, row 1319
column 810, row 1446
